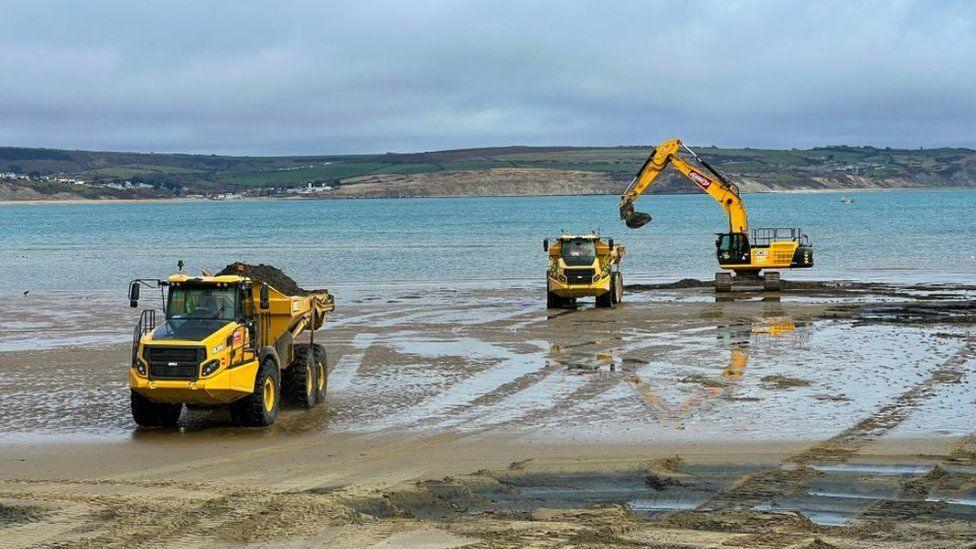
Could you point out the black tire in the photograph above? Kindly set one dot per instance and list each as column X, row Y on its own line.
column 321, row 373
column 298, row 379
column 553, row 301
column 617, row 287
column 147, row 413
column 253, row 410
column 605, row 301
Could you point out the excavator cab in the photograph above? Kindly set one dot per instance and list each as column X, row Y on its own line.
column 732, row 249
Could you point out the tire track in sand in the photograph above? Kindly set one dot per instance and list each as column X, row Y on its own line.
column 795, row 474
column 546, row 392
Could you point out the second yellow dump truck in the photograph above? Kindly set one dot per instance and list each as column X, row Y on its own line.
column 228, row 339
column 583, row 265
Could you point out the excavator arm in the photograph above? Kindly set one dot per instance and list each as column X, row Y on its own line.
column 719, row 188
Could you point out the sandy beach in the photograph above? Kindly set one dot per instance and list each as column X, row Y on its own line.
column 828, row 415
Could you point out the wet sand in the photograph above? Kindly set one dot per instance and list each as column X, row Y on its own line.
column 832, row 412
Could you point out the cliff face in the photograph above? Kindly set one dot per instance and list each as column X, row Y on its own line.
column 542, row 182
column 494, row 182
column 17, row 191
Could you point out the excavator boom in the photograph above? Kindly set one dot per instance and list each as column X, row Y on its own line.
column 719, row 188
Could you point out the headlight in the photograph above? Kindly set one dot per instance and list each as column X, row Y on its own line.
column 140, row 367
column 210, row 367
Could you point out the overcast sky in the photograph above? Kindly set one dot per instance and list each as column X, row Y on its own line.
column 345, row 77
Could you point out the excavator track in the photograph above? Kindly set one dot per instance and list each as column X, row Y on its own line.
column 723, row 282
column 769, row 281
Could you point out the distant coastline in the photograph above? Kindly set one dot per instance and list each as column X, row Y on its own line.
column 51, row 174
column 184, row 200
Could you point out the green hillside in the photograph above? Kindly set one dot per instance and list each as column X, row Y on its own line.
column 762, row 168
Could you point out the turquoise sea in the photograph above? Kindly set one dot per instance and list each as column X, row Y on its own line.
column 898, row 236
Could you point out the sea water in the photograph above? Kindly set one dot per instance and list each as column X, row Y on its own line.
column 896, row 236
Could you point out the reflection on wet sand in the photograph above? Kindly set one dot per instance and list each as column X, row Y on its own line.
column 724, row 385
column 461, row 382
column 500, row 362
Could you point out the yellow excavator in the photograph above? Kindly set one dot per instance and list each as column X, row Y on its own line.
column 743, row 252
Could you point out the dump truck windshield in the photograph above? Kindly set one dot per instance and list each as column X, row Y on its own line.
column 202, row 303
column 189, row 329
column 579, row 252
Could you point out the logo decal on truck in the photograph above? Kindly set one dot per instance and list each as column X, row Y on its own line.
column 700, row 180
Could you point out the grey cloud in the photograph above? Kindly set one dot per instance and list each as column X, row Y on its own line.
column 338, row 77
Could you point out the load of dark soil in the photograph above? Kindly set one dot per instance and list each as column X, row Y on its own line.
column 267, row 274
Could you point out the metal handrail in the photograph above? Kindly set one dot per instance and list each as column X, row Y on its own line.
column 764, row 236
column 147, row 323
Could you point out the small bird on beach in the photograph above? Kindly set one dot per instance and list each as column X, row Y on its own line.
column 26, row 292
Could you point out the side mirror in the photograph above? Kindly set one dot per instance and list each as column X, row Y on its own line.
column 545, row 245
column 610, row 242
column 134, row 295
column 265, row 297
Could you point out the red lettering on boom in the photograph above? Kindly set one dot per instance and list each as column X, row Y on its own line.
column 700, row 180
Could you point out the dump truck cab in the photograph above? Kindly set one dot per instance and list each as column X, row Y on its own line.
column 225, row 340
column 583, row 265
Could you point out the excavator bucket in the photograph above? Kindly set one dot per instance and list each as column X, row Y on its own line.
column 632, row 218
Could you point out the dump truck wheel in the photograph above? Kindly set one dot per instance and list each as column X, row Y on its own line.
column 723, row 282
column 298, row 380
column 553, row 301
column 771, row 281
column 260, row 408
column 618, row 288
column 605, row 301
column 321, row 373
column 147, row 413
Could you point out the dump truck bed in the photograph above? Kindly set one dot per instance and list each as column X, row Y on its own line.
column 292, row 313
column 295, row 313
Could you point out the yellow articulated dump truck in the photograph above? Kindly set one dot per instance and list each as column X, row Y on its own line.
column 227, row 339
column 583, row 266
